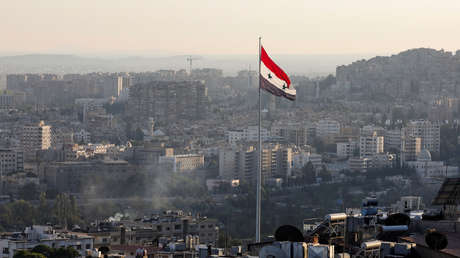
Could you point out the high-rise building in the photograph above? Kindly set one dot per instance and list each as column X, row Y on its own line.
column 327, row 128
column 35, row 137
column 11, row 99
column 410, row 148
column 429, row 133
column 11, row 160
column 392, row 140
column 346, row 149
column 297, row 134
column 169, row 100
column 241, row 162
column 370, row 145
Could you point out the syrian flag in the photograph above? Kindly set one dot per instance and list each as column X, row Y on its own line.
column 273, row 79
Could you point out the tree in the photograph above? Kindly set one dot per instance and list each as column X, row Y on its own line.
column 308, row 173
column 23, row 213
column 139, row 135
column 27, row 254
column 28, row 192
column 43, row 209
column 44, row 249
column 325, row 174
column 66, row 211
column 65, row 252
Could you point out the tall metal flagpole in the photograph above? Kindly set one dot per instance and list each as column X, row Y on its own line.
column 259, row 169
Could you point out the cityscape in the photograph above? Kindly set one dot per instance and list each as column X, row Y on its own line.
column 196, row 155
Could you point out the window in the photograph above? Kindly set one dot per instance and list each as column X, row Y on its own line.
column 78, row 247
column 6, row 250
column 88, row 246
column 177, row 227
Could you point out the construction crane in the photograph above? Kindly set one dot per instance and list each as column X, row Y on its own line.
column 190, row 61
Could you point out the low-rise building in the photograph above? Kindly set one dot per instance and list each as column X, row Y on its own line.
column 359, row 164
column 431, row 171
column 346, row 149
column 11, row 161
column 44, row 235
column 182, row 163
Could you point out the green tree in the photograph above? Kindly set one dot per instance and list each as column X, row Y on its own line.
column 65, row 252
column 308, row 173
column 28, row 192
column 23, row 214
column 27, row 254
column 66, row 211
column 139, row 135
column 325, row 174
column 44, row 250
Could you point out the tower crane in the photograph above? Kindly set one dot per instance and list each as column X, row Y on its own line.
column 190, row 61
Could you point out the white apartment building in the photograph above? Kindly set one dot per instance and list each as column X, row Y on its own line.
column 82, row 136
column 182, row 163
column 346, row 149
column 369, row 145
column 11, row 161
column 44, row 235
column 249, row 134
column 359, row 164
column 240, row 162
column 370, row 129
column 327, row 128
column 431, row 171
column 34, row 138
column 392, row 139
column 429, row 133
column 301, row 159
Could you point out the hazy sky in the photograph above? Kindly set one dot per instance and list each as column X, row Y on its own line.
column 227, row 27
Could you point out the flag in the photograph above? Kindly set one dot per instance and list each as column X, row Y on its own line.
column 273, row 79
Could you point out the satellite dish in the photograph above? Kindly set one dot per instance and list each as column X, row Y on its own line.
column 288, row 233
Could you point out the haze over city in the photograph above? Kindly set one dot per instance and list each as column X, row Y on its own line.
column 229, row 129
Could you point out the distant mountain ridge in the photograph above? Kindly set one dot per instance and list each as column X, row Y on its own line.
column 414, row 73
column 311, row 65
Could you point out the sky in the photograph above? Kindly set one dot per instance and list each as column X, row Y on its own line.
column 227, row 27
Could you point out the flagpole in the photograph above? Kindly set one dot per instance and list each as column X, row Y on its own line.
column 259, row 169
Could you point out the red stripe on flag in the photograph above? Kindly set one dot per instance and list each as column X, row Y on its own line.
column 274, row 67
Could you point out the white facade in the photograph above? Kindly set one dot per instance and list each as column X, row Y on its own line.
column 359, row 164
column 327, row 128
column 182, row 163
column 11, row 161
column 82, row 136
column 369, row 145
column 250, row 134
column 346, row 149
column 45, row 235
column 301, row 159
column 429, row 170
column 34, row 138
column 429, row 133
column 392, row 139
column 370, row 129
